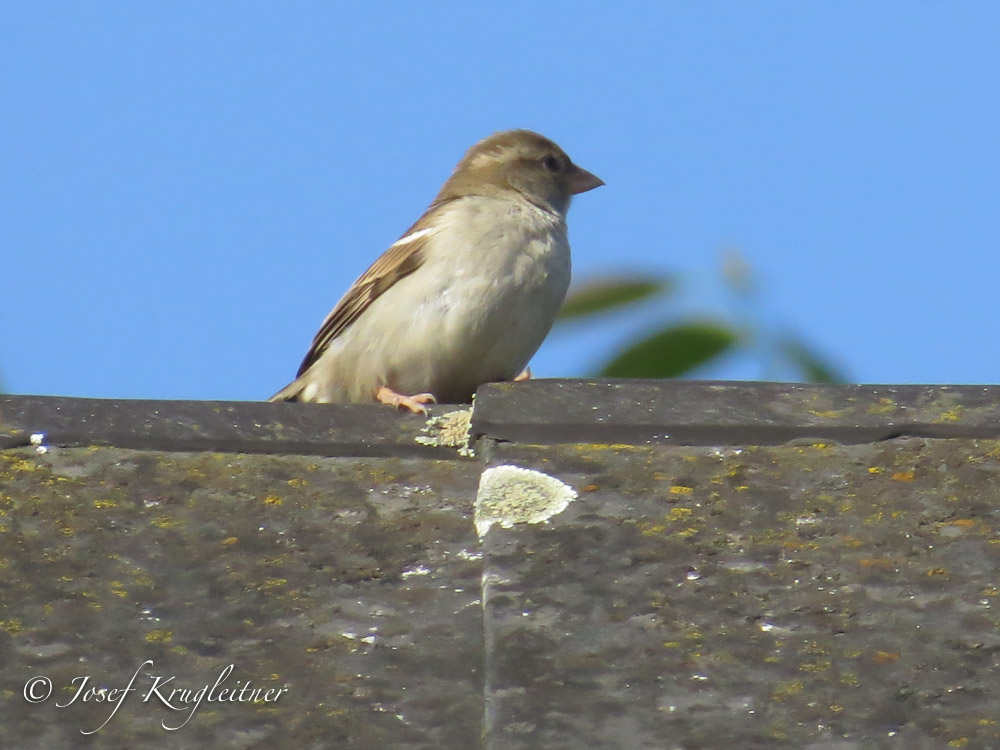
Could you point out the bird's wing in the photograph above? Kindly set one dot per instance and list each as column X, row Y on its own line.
column 402, row 258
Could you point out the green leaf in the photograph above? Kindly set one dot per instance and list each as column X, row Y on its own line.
column 813, row 366
column 607, row 293
column 673, row 351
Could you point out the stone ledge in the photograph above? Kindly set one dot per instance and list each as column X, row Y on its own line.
column 224, row 426
column 681, row 412
column 540, row 412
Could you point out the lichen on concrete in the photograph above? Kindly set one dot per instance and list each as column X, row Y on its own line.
column 511, row 495
column 449, row 430
column 749, row 597
column 298, row 570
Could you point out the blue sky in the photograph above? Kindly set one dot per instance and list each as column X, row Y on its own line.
column 186, row 188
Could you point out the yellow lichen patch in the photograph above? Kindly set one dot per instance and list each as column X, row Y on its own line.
column 903, row 476
column 787, row 689
column 876, row 469
column 678, row 489
column 118, row 589
column 885, row 657
column 229, row 541
column 23, row 465
column 952, row 415
column 273, row 500
column 12, row 626
column 273, row 583
column 876, row 562
column 164, row 522
column 812, row 647
column 694, row 634
column 966, row 523
column 101, row 504
column 831, row 414
column 678, row 513
column 141, row 578
column 937, row 572
column 884, row 406
column 297, row 482
column 648, row 528
column 159, row 636
column 815, row 666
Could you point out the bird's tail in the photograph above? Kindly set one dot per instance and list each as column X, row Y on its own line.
column 290, row 392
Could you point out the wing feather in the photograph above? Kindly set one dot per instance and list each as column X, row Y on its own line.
column 402, row 258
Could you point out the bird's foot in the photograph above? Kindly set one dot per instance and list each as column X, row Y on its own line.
column 525, row 375
column 414, row 403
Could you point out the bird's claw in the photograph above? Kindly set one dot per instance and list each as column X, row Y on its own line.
column 414, row 403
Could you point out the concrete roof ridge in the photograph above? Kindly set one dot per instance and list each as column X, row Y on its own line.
column 633, row 412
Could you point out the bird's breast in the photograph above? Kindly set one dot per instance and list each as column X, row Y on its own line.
column 497, row 277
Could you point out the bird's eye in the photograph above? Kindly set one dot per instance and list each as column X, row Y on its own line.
column 551, row 163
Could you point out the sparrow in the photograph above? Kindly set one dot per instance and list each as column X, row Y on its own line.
column 465, row 296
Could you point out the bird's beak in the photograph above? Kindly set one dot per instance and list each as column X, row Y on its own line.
column 580, row 180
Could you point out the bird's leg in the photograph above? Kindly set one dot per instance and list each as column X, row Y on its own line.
column 525, row 375
column 414, row 403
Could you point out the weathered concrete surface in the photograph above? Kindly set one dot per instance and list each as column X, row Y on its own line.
column 229, row 426
column 794, row 596
column 755, row 594
column 730, row 413
column 353, row 583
